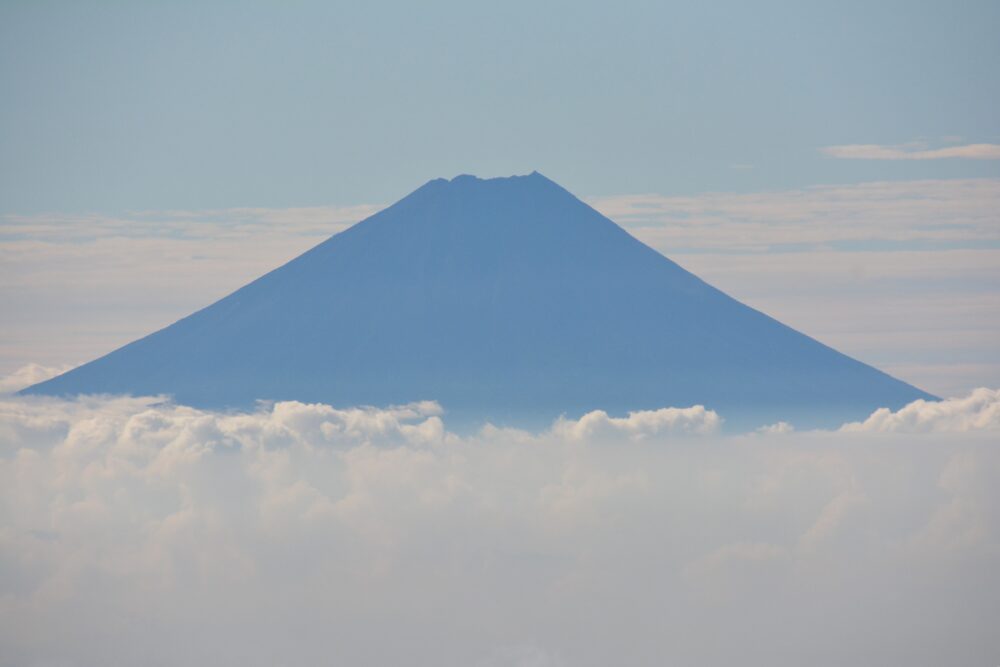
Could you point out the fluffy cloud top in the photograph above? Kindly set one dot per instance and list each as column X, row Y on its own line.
column 639, row 425
column 978, row 411
column 134, row 530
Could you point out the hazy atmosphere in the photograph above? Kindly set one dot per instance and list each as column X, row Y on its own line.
column 835, row 166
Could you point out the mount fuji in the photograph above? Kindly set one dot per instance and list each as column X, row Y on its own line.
column 506, row 300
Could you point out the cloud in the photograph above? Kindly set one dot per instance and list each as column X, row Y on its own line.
column 27, row 375
column 199, row 225
column 777, row 428
column 302, row 531
column 923, row 214
column 639, row 425
column 913, row 152
column 979, row 411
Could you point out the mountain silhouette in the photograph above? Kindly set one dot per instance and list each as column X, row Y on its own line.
column 504, row 299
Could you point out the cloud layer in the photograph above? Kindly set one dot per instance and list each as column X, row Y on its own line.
column 913, row 152
column 133, row 531
column 925, row 214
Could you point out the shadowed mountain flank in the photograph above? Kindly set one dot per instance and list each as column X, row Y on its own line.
column 506, row 300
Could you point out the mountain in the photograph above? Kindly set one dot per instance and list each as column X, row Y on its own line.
column 505, row 299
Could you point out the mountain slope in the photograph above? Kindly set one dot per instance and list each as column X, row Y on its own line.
column 505, row 299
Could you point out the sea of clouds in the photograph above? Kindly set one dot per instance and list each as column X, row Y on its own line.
column 134, row 531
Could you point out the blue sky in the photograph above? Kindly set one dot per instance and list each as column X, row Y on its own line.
column 117, row 106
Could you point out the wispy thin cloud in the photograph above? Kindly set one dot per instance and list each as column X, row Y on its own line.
column 942, row 213
column 27, row 375
column 913, row 152
column 198, row 225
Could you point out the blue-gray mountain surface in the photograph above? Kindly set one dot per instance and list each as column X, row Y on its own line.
column 507, row 300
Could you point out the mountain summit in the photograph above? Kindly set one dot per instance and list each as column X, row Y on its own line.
column 505, row 299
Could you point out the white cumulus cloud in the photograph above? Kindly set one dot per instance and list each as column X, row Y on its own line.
column 979, row 411
column 640, row 424
column 134, row 530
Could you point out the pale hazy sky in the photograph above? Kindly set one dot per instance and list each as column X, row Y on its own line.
column 109, row 106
